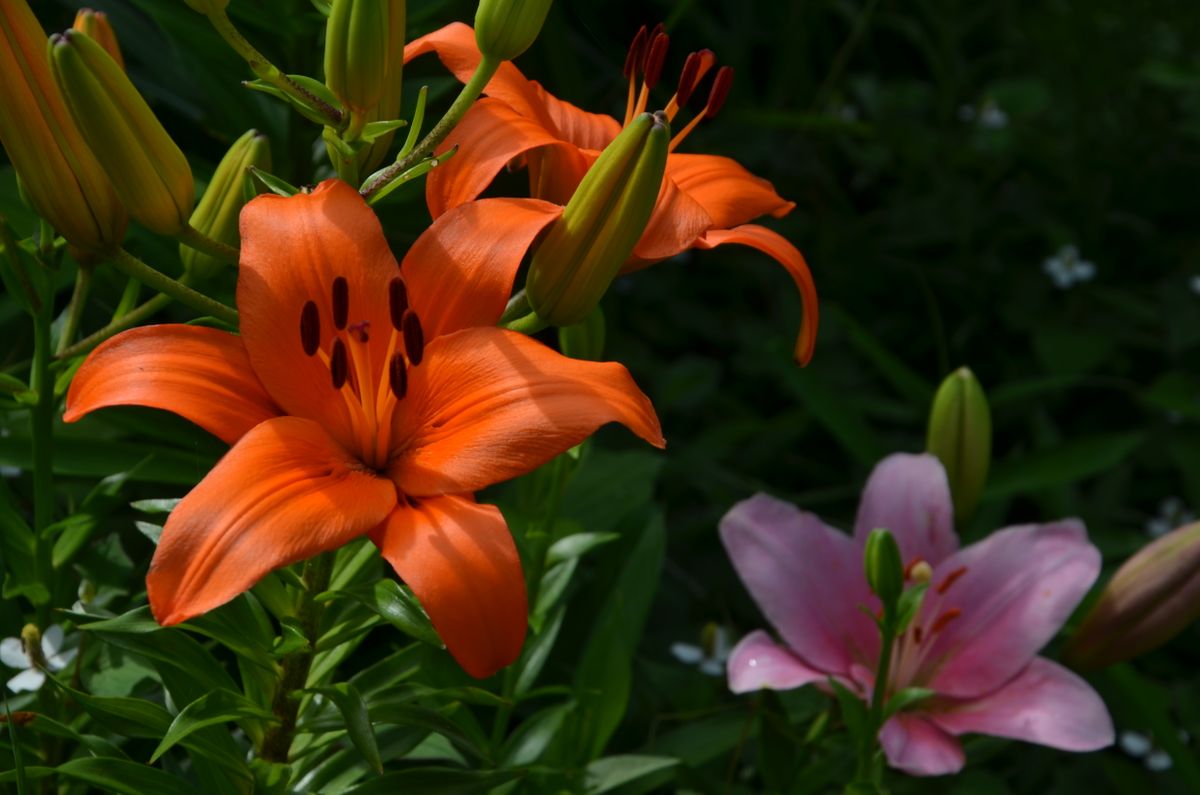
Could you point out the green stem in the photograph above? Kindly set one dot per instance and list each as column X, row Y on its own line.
column 127, row 320
column 133, row 267
column 83, row 281
column 42, row 434
column 529, row 324
column 294, row 677
column 470, row 92
column 267, row 70
column 194, row 238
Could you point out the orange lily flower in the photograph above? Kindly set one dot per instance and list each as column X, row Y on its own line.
column 363, row 398
column 705, row 200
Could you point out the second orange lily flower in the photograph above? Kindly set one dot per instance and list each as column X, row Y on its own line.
column 364, row 398
column 705, row 201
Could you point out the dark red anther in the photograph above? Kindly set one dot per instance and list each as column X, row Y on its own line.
column 634, row 58
column 341, row 302
column 310, row 328
column 944, row 619
column 688, row 78
column 338, row 364
column 397, row 301
column 361, row 331
column 414, row 337
column 656, row 56
column 720, row 90
column 398, row 376
column 951, row 578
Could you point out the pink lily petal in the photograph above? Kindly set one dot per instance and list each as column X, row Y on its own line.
column 807, row 578
column 909, row 496
column 919, row 748
column 1045, row 704
column 1019, row 587
column 758, row 662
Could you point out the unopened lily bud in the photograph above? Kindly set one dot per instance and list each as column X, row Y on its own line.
column 217, row 212
column 95, row 24
column 881, row 562
column 58, row 175
column 207, row 6
column 505, row 28
column 148, row 170
column 586, row 247
column 388, row 107
column 1152, row 597
column 960, row 435
column 357, row 57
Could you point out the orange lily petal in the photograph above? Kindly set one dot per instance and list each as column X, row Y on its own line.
column 776, row 246
column 284, row 493
column 728, row 192
column 674, row 226
column 201, row 374
column 556, row 171
column 455, row 47
column 460, row 271
column 488, row 137
column 292, row 250
column 460, row 561
column 489, row 404
column 580, row 127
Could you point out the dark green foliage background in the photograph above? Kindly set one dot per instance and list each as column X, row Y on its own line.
column 926, row 235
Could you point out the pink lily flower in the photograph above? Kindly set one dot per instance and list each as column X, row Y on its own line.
column 990, row 607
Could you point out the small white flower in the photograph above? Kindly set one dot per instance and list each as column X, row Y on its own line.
column 1135, row 743
column 1194, row 284
column 1157, row 761
column 966, row 113
column 711, row 655
column 12, row 654
column 1066, row 268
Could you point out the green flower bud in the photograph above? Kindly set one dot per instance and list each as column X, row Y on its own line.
column 1151, row 599
column 960, row 435
column 884, row 570
column 57, row 173
column 358, row 36
column 585, row 248
column 216, row 214
column 505, row 28
column 95, row 25
column 148, row 170
column 388, row 107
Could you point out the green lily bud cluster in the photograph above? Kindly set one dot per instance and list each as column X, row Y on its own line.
column 506, row 28
column 358, row 55
column 585, row 248
column 95, row 25
column 1152, row 598
column 960, row 435
column 59, row 175
column 216, row 214
column 148, row 170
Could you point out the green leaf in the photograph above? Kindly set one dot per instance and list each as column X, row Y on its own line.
column 219, row 706
column 537, row 651
column 120, row 776
column 854, row 710
column 906, row 698
column 434, row 721
column 16, row 554
column 1067, row 463
column 273, row 183
column 531, row 739
column 605, row 671
column 395, row 604
column 576, row 545
column 358, row 723
column 553, row 586
column 377, row 129
column 611, row 772
column 908, row 606
column 163, row 505
column 306, row 109
column 435, row 781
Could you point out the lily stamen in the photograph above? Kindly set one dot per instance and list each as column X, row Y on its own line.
column 310, row 328
column 341, row 302
column 716, row 98
column 951, row 578
column 694, row 69
column 633, row 61
column 944, row 619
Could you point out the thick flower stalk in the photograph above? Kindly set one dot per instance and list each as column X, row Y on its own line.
column 704, row 200
column 59, row 174
column 363, row 398
column 989, row 608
